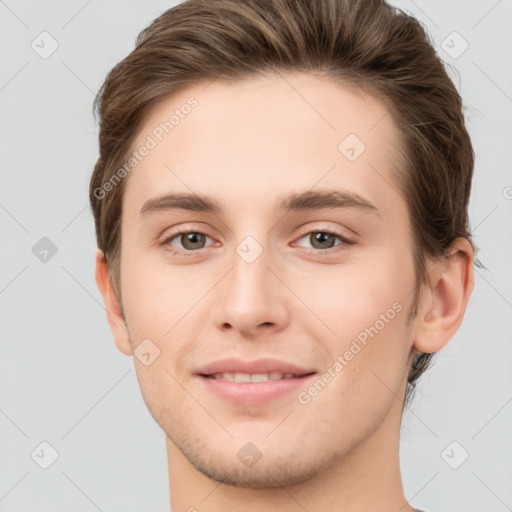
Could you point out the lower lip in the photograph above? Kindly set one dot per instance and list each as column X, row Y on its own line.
column 253, row 393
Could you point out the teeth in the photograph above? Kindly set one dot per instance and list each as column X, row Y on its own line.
column 253, row 377
column 241, row 377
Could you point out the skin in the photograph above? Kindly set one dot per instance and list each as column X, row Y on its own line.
column 246, row 144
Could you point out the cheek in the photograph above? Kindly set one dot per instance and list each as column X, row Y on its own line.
column 367, row 309
column 156, row 296
column 356, row 297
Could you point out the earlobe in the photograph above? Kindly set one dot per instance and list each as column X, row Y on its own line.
column 444, row 302
column 115, row 316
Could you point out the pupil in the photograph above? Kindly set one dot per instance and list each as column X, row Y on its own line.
column 191, row 240
column 323, row 237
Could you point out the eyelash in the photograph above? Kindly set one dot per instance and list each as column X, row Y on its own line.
column 317, row 252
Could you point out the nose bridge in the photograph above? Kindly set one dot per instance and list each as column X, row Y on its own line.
column 250, row 281
column 252, row 295
column 252, row 253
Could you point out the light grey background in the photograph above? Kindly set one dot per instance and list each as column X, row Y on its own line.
column 61, row 378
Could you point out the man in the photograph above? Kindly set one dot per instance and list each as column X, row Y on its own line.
column 281, row 212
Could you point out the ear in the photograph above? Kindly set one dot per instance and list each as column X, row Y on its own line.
column 445, row 299
column 114, row 313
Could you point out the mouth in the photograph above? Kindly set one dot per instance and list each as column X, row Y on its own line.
column 246, row 389
column 254, row 377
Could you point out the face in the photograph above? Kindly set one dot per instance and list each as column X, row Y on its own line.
column 306, row 258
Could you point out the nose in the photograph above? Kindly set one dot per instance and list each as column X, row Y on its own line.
column 252, row 298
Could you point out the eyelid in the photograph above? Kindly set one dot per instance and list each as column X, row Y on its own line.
column 326, row 229
column 173, row 231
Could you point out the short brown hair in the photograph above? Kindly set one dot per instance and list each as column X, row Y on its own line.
column 366, row 44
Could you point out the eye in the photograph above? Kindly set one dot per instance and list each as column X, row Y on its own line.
column 324, row 240
column 190, row 241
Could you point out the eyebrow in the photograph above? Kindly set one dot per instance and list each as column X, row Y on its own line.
column 304, row 201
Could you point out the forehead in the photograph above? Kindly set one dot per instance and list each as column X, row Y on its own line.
column 252, row 138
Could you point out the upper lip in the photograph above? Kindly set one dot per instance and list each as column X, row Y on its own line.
column 266, row 365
